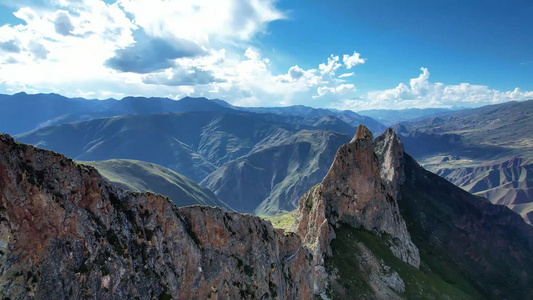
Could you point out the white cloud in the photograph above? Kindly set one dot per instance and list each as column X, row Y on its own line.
column 202, row 21
column 422, row 93
column 341, row 90
column 331, row 66
column 68, row 46
column 353, row 60
column 169, row 48
column 346, row 75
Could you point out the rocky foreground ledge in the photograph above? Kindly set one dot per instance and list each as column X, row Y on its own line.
column 65, row 233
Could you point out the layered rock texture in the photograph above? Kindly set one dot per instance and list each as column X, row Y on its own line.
column 382, row 227
column 508, row 182
column 361, row 190
column 66, row 234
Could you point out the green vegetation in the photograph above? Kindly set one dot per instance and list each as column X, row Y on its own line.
column 466, row 257
column 283, row 220
column 141, row 176
column 421, row 283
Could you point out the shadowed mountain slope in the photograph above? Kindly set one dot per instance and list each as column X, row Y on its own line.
column 480, row 150
column 273, row 178
column 382, row 227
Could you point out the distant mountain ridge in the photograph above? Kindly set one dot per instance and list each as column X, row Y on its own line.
column 506, row 182
column 390, row 117
column 485, row 150
column 23, row 112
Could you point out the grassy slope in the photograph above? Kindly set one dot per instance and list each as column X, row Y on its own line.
column 141, row 176
column 488, row 243
column 423, row 283
column 283, row 220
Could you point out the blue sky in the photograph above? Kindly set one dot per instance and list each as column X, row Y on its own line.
column 341, row 54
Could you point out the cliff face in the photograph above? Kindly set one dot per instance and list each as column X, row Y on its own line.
column 490, row 244
column 360, row 190
column 65, row 233
column 443, row 242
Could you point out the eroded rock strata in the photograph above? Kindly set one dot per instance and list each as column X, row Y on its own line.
column 361, row 190
column 65, row 233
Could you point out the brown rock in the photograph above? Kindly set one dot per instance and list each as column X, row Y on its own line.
column 65, row 233
column 360, row 189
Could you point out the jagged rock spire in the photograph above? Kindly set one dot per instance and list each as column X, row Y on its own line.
column 362, row 133
column 360, row 190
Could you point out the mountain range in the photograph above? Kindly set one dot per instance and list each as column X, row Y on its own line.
column 378, row 226
column 391, row 117
column 23, row 112
column 261, row 160
column 277, row 175
column 486, row 150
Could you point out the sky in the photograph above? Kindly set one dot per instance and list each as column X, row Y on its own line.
column 356, row 55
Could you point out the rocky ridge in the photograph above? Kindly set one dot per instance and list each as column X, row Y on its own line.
column 66, row 233
column 377, row 227
column 360, row 190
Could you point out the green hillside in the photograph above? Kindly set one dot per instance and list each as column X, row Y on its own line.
column 141, row 176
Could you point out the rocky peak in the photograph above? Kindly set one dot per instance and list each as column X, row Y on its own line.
column 65, row 233
column 360, row 190
column 390, row 151
column 362, row 133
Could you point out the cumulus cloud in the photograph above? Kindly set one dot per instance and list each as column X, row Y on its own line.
column 62, row 23
column 151, row 54
column 341, row 89
column 170, row 48
column 182, row 76
column 353, row 60
column 296, row 73
column 38, row 50
column 422, row 93
column 202, row 21
column 10, row 46
column 331, row 66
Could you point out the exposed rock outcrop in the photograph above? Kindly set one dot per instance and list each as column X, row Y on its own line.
column 361, row 190
column 65, row 233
